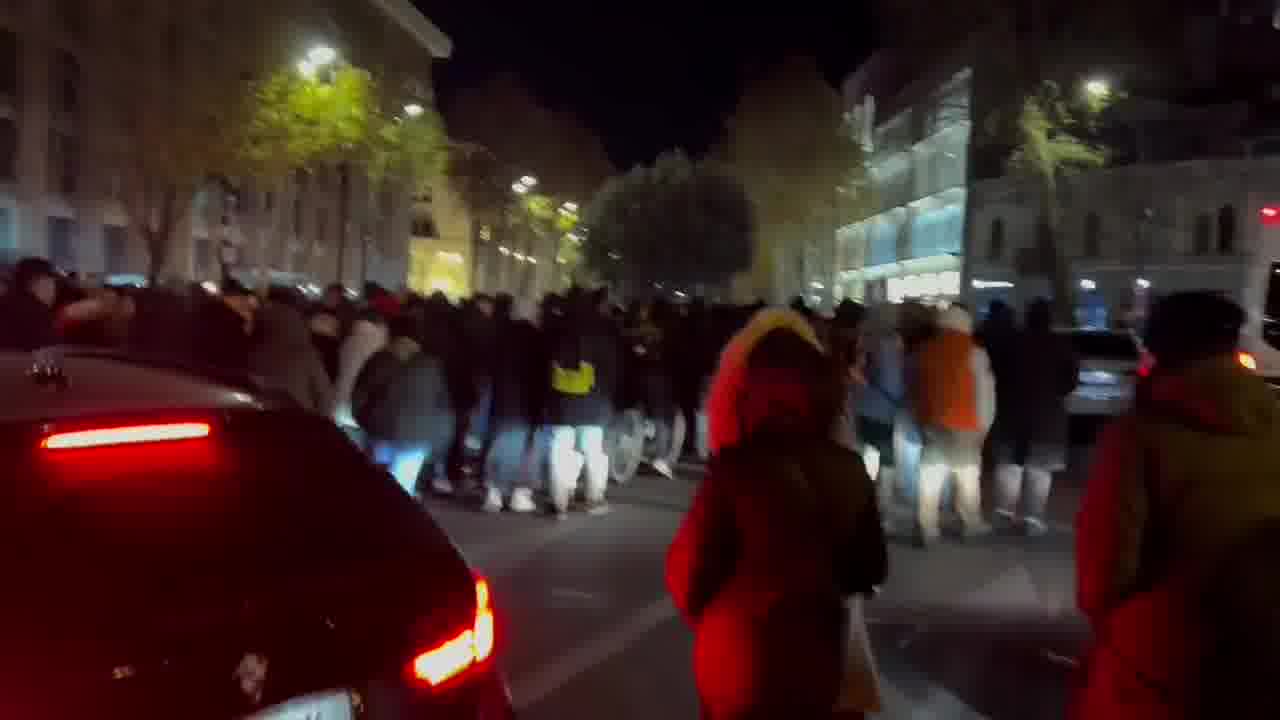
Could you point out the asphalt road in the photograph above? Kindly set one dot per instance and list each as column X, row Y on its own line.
column 981, row 630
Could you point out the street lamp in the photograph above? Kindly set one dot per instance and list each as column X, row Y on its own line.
column 529, row 181
column 519, row 188
column 318, row 57
column 322, row 55
column 414, row 110
column 1097, row 88
column 571, row 207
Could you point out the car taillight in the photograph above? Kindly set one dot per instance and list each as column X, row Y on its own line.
column 1146, row 361
column 470, row 647
column 126, row 435
column 1247, row 360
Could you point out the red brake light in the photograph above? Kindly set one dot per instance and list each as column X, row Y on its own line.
column 470, row 647
column 1247, row 360
column 126, row 435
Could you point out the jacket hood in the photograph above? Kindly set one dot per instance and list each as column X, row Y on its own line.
column 1214, row 395
column 956, row 319
column 730, row 376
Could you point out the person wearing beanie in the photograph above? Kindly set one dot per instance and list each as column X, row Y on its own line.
column 953, row 402
column 1176, row 538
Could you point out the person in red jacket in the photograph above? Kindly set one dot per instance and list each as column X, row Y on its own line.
column 783, row 529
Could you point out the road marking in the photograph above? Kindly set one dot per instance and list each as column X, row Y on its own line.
column 509, row 552
column 554, row 675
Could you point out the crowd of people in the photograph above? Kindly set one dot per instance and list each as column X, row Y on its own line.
column 511, row 402
column 818, row 430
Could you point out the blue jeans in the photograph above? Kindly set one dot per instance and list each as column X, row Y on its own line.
column 403, row 460
column 506, row 465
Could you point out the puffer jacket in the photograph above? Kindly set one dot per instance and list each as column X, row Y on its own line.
column 402, row 396
column 953, row 386
column 783, row 529
column 367, row 338
column 286, row 360
column 1175, row 486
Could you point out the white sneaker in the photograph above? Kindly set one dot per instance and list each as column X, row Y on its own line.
column 442, row 486
column 492, row 500
column 522, row 501
column 1034, row 527
column 663, row 469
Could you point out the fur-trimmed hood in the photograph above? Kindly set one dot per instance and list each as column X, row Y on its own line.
column 730, row 375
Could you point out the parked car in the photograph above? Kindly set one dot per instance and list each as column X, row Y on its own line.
column 1110, row 363
column 178, row 545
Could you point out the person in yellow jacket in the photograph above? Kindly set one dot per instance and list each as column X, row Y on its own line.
column 952, row 393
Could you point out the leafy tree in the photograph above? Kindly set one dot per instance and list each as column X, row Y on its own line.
column 184, row 116
column 501, row 133
column 676, row 222
column 801, row 165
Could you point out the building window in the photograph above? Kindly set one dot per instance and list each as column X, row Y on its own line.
column 66, row 82
column 1092, row 235
column 996, row 249
column 8, row 149
column 1227, row 230
column 9, row 60
column 115, row 248
column 62, row 250
column 64, row 161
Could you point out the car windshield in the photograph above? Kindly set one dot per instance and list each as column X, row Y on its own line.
column 1107, row 345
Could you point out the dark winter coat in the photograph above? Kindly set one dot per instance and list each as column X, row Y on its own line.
column 1031, row 391
column 25, row 323
column 222, row 340
column 590, row 340
column 284, row 357
column 783, row 528
column 516, row 373
column 402, row 396
column 1175, row 487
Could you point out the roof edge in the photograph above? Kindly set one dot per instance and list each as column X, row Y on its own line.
column 416, row 24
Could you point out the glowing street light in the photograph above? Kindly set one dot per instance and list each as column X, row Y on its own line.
column 1097, row 88
column 307, row 69
column 519, row 188
column 414, row 110
column 322, row 55
column 571, row 207
column 529, row 180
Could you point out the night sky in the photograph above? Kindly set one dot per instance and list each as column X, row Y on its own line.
column 647, row 76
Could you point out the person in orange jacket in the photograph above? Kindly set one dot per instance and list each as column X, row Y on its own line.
column 952, row 396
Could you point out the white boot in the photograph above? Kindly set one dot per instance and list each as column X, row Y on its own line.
column 522, row 501
column 564, row 470
column 597, row 483
column 492, row 500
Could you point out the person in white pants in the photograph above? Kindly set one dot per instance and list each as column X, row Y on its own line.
column 574, row 449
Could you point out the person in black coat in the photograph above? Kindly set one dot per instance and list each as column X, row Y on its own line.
column 1032, row 441
column 583, row 374
column 401, row 399
column 26, row 310
column 515, row 372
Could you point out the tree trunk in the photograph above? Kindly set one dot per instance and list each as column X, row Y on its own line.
column 1058, row 266
column 344, row 219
